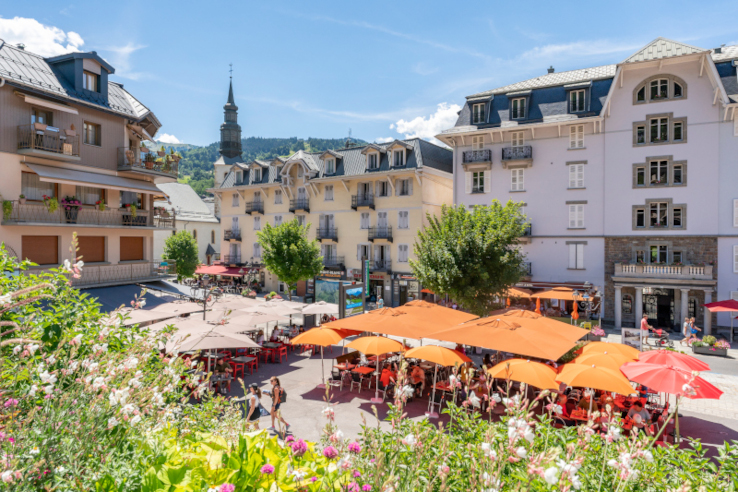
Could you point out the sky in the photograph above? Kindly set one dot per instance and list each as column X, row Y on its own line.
column 384, row 70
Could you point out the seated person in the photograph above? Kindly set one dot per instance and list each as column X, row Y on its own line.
column 260, row 337
column 222, row 368
column 639, row 417
column 417, row 378
column 387, row 379
column 273, row 338
column 294, row 331
column 585, row 401
column 561, row 401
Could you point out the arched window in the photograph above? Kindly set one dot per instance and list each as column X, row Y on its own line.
column 194, row 233
column 660, row 88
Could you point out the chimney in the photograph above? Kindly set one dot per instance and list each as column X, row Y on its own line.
column 720, row 49
column 551, row 69
column 21, row 46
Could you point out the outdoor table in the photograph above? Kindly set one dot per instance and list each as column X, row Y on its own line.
column 217, row 378
column 443, row 386
column 244, row 359
column 271, row 345
column 345, row 366
column 214, row 356
column 581, row 416
column 363, row 370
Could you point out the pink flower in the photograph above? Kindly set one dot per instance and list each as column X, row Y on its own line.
column 299, row 447
column 354, row 447
column 366, row 488
column 11, row 402
column 289, row 439
column 330, row 452
column 228, row 487
column 266, row 470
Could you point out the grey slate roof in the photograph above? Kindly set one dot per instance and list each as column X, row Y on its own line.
column 729, row 78
column 727, row 53
column 187, row 203
column 661, row 48
column 25, row 69
column 553, row 79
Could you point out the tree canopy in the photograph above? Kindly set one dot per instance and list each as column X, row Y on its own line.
column 471, row 255
column 287, row 252
column 182, row 248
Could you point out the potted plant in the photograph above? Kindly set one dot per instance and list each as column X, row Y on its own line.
column 133, row 210
column 52, row 204
column 130, row 156
column 595, row 334
column 71, row 208
column 22, row 199
column 710, row 346
column 100, row 205
column 7, row 209
column 162, row 151
column 149, row 160
column 144, row 149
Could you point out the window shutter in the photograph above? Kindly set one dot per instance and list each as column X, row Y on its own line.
column 397, row 187
column 410, row 187
column 514, row 179
column 580, row 136
column 487, row 182
column 580, row 215
column 580, row 256
column 572, row 256
column 376, row 252
column 580, row 175
column 321, row 221
column 358, row 252
column 735, row 259
column 468, row 182
column 572, row 137
column 572, row 216
column 572, row 177
column 521, row 179
column 735, row 213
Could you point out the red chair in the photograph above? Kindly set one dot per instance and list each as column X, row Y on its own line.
column 237, row 367
column 253, row 365
column 281, row 352
column 264, row 354
column 305, row 348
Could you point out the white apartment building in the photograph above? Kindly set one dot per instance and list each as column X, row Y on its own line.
column 627, row 174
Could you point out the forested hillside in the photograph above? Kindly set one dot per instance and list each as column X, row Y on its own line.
column 196, row 166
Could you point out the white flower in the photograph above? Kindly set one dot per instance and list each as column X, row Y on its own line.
column 60, row 470
column 51, row 359
column 337, row 436
column 521, row 452
column 496, row 397
column 118, row 397
column 47, row 378
column 7, row 476
column 557, row 409
column 92, row 367
column 488, row 451
column 33, row 348
column 5, row 299
column 67, row 266
column 613, row 463
column 128, row 408
column 410, row 440
column 34, row 451
column 134, row 383
column 529, row 435
column 158, row 399
column 78, row 339
column 49, row 389
column 648, row 455
column 299, row 475
column 142, row 302
column 474, row 400
column 32, row 391
column 79, row 264
column 17, row 349
column 551, row 475
column 328, row 412
column 100, row 347
column 408, row 391
column 98, row 383
column 136, row 419
column 112, row 422
column 73, row 365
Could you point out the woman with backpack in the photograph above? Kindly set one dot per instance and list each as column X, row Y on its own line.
column 279, row 396
column 253, row 406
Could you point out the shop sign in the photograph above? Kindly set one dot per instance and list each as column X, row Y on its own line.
column 331, row 274
column 403, row 276
column 356, row 273
column 376, row 276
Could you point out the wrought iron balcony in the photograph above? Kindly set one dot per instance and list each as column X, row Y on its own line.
column 366, row 200
column 48, row 141
column 232, row 234
column 232, row 259
column 522, row 153
column 383, row 232
column 254, row 207
column 334, row 261
column 150, row 162
column 37, row 213
column 327, row 233
column 300, row 204
column 384, row 265
column 126, row 273
column 484, row 155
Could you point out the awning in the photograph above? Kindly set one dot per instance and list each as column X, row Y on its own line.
column 60, row 175
column 140, row 132
column 221, row 270
column 37, row 101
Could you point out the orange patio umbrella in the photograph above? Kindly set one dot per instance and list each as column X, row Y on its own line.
column 376, row 346
column 440, row 356
column 575, row 312
column 538, row 305
column 563, row 293
column 611, row 348
column 518, row 292
column 728, row 306
column 516, row 331
column 324, row 337
column 525, row 371
column 595, row 377
column 612, row 361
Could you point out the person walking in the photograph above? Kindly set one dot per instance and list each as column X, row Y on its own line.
column 253, row 404
column 693, row 330
column 277, row 394
column 686, row 331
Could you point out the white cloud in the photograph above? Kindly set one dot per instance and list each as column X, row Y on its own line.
column 427, row 128
column 166, row 138
column 39, row 38
column 424, row 69
column 580, row 49
column 383, row 139
column 121, row 60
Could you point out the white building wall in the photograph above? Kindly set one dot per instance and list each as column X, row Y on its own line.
column 203, row 229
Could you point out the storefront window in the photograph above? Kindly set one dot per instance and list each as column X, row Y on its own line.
column 627, row 307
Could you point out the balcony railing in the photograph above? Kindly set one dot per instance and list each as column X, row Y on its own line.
column 136, row 160
column 43, row 139
column 385, row 264
column 232, row 259
column 124, row 273
column 232, row 234
column 327, row 233
column 37, row 213
column 646, row 270
column 300, row 204
column 484, row 155
column 382, row 232
column 254, row 208
column 333, row 261
column 366, row 200
column 517, row 153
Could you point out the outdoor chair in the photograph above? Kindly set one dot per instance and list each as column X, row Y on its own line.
column 237, row 367
column 305, row 348
column 356, row 379
column 253, row 365
column 281, row 352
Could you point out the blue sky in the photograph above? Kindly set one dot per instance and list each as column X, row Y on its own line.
column 318, row 68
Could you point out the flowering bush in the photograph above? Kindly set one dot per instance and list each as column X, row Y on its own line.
column 598, row 332
column 721, row 344
column 70, row 202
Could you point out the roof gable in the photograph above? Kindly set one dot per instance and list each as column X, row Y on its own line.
column 661, row 48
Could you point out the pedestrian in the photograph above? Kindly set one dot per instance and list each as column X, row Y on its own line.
column 380, row 303
column 686, row 331
column 693, row 329
column 277, row 394
column 253, row 406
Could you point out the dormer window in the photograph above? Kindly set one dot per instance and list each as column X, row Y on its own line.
column 659, row 89
column 239, row 177
column 517, row 109
column 577, row 101
column 330, row 166
column 372, row 161
column 398, row 158
column 90, row 81
column 300, row 172
column 257, row 175
column 478, row 114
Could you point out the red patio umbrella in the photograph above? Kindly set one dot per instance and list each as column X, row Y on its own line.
column 728, row 306
column 676, row 359
column 538, row 305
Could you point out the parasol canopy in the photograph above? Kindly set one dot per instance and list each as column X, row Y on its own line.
column 525, row 371
column 438, row 355
column 563, row 293
column 376, row 345
column 676, row 359
column 670, row 379
column 611, row 361
column 320, row 307
column 611, row 348
column 595, row 377
column 321, row 336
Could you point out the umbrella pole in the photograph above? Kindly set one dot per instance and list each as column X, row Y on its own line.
column 591, row 397
column 430, row 413
column 322, row 369
column 376, row 386
column 731, row 327
column 676, row 422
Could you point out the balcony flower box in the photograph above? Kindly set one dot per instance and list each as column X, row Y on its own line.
column 720, row 352
column 71, row 209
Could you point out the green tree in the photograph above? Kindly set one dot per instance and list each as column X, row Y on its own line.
column 471, row 255
column 182, row 248
column 289, row 254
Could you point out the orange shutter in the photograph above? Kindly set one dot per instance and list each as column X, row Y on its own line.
column 131, row 248
column 91, row 248
column 43, row 250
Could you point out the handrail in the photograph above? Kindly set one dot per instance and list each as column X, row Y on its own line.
column 37, row 136
column 38, row 213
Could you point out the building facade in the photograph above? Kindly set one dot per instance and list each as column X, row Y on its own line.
column 627, row 174
column 193, row 216
column 72, row 160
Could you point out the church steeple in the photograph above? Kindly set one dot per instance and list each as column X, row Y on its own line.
column 230, row 130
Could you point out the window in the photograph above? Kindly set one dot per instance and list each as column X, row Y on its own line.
column 678, row 125
column 659, row 171
column 640, row 134
column 576, row 175
column 576, row 137
column 257, row 176
column 640, row 256
column 373, row 161
column 659, row 89
column 194, row 234
column 34, row 189
column 627, row 304
column 678, row 91
column 517, row 110
column 403, row 219
column 735, row 258
column 478, row 182
column 641, row 176
column 402, row 253
column 576, row 101
column 277, row 220
column 641, row 95
column 132, row 249
column 239, row 177
column 576, row 256
column 92, row 134
column 328, row 193
column 131, row 198
column 640, row 218
column 89, row 81
column 43, row 250
column 518, row 139
column 212, row 237
column 257, row 250
column 478, row 114
column 89, row 195
column 330, row 166
column 300, row 220
column 257, row 223
column 398, row 158
column 659, row 214
column 676, row 217
column 40, row 116
column 676, row 257
column 517, row 182
column 478, row 142
column 363, row 252
column 277, row 197
column 659, row 253
column 659, row 130
column 300, row 172
column 382, row 188
column 677, row 175
column 404, row 187
column 234, row 200
column 365, row 220
column 576, row 216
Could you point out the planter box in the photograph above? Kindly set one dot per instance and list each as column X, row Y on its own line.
column 710, row 351
column 592, row 338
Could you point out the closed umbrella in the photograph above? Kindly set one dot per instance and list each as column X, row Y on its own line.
column 611, row 348
column 323, row 337
column 440, row 356
column 574, row 312
column 538, row 305
column 524, row 371
column 376, row 346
